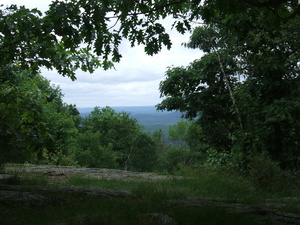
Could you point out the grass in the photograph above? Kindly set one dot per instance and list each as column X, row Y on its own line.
column 203, row 184
column 82, row 210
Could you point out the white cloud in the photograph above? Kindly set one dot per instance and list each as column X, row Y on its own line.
column 136, row 79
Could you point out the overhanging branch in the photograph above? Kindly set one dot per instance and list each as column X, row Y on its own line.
column 265, row 3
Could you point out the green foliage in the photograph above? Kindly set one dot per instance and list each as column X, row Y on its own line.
column 56, row 39
column 231, row 161
column 32, row 40
column 192, row 90
column 266, row 173
column 121, row 139
column 178, row 134
column 34, row 120
column 91, row 153
column 160, row 140
column 21, row 129
column 143, row 153
column 175, row 157
column 257, row 112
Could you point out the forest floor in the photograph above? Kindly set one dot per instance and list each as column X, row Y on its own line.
column 160, row 209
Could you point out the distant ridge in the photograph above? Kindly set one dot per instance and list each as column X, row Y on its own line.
column 147, row 116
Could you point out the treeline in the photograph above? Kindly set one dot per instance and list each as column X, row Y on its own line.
column 36, row 126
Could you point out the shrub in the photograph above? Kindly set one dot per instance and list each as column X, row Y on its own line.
column 231, row 161
column 264, row 172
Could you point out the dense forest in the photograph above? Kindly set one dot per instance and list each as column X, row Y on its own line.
column 241, row 98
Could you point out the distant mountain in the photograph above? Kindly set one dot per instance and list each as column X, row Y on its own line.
column 147, row 116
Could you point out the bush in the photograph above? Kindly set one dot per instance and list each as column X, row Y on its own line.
column 231, row 161
column 265, row 173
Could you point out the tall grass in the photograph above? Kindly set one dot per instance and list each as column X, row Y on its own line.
column 204, row 183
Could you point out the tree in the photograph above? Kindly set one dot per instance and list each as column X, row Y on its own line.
column 90, row 152
column 186, row 144
column 31, row 41
column 199, row 92
column 75, row 114
column 116, row 129
column 34, row 119
column 160, row 140
column 178, row 134
column 255, row 114
column 143, row 153
column 21, row 130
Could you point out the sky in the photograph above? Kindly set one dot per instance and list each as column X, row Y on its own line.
column 133, row 82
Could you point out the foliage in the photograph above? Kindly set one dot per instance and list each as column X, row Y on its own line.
column 34, row 121
column 199, row 93
column 143, row 153
column 121, row 134
column 55, row 40
column 32, row 40
column 160, row 140
column 20, row 129
column 184, row 147
column 101, row 25
column 90, row 152
column 252, row 114
column 265, row 173
column 175, row 157
column 178, row 134
column 231, row 161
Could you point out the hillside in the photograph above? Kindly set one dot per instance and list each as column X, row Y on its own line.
column 147, row 116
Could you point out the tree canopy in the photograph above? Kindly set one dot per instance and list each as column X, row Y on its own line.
column 86, row 34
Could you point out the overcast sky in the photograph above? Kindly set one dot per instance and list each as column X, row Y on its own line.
column 135, row 80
